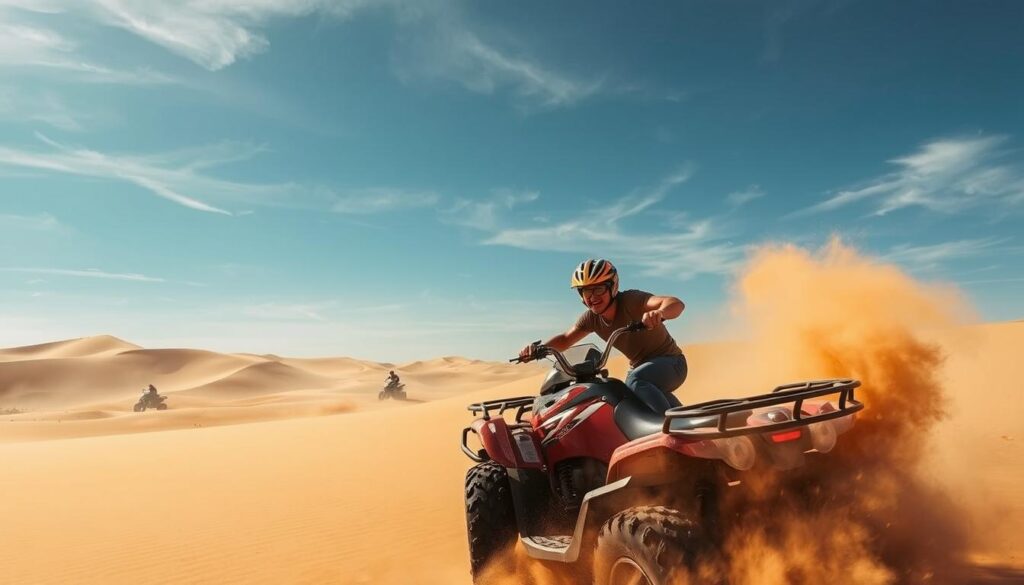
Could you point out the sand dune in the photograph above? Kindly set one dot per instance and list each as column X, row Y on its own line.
column 261, row 378
column 102, row 377
column 103, row 372
column 83, row 347
column 337, row 367
column 324, row 484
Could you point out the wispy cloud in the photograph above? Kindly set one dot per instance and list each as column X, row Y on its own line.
column 436, row 43
column 216, row 34
column 451, row 51
column 991, row 281
column 678, row 249
column 212, row 34
column 323, row 310
column 286, row 311
column 741, row 198
column 487, row 214
column 43, row 222
column 378, row 200
column 174, row 176
column 52, row 111
column 932, row 255
column 180, row 176
column 89, row 273
column 777, row 16
column 27, row 46
column 946, row 175
column 143, row 172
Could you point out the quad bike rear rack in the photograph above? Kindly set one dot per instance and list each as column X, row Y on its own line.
column 523, row 404
column 695, row 416
column 489, row 408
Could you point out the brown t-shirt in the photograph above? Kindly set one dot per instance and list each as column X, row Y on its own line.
column 639, row 346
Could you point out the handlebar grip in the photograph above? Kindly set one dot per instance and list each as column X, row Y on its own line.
column 636, row 326
column 534, row 355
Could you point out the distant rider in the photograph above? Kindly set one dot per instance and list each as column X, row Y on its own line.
column 150, row 394
column 393, row 380
column 657, row 365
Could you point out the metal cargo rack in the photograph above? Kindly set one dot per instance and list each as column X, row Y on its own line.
column 698, row 420
column 489, row 408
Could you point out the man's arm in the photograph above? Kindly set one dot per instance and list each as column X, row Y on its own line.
column 658, row 309
column 561, row 342
column 564, row 341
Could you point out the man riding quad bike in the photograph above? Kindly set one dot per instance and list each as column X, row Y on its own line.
column 393, row 388
column 150, row 399
column 657, row 365
column 592, row 481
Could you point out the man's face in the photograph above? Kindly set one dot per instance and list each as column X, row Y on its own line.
column 596, row 297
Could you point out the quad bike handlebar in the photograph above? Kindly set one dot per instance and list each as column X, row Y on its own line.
column 542, row 351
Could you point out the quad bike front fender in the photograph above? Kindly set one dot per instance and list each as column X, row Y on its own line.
column 511, row 447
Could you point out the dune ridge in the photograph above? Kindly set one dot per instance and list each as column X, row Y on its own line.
column 69, row 348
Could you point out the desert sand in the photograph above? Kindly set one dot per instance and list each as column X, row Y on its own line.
column 325, row 484
column 275, row 470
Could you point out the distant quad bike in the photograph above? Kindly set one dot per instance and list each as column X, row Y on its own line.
column 395, row 392
column 597, row 486
column 147, row 401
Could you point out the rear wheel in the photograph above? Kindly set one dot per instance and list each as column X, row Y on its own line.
column 647, row 546
column 161, row 406
column 490, row 516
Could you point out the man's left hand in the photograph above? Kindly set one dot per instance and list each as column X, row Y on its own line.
column 652, row 319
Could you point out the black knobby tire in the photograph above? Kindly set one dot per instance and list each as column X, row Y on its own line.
column 647, row 546
column 139, row 407
column 161, row 406
column 490, row 515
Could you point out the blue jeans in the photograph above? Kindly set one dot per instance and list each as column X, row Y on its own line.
column 654, row 381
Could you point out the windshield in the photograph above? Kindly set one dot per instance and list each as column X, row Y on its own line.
column 577, row 354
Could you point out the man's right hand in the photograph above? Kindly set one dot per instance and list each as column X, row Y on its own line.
column 526, row 354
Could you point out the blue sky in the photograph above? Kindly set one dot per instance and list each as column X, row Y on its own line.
column 396, row 180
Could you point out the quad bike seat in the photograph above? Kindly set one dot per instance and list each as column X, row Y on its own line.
column 635, row 420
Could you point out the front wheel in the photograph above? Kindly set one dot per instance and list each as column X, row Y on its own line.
column 490, row 516
column 647, row 546
column 382, row 395
column 139, row 407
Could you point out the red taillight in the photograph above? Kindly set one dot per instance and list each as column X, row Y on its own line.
column 786, row 436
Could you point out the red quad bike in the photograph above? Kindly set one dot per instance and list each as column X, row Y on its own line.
column 595, row 485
